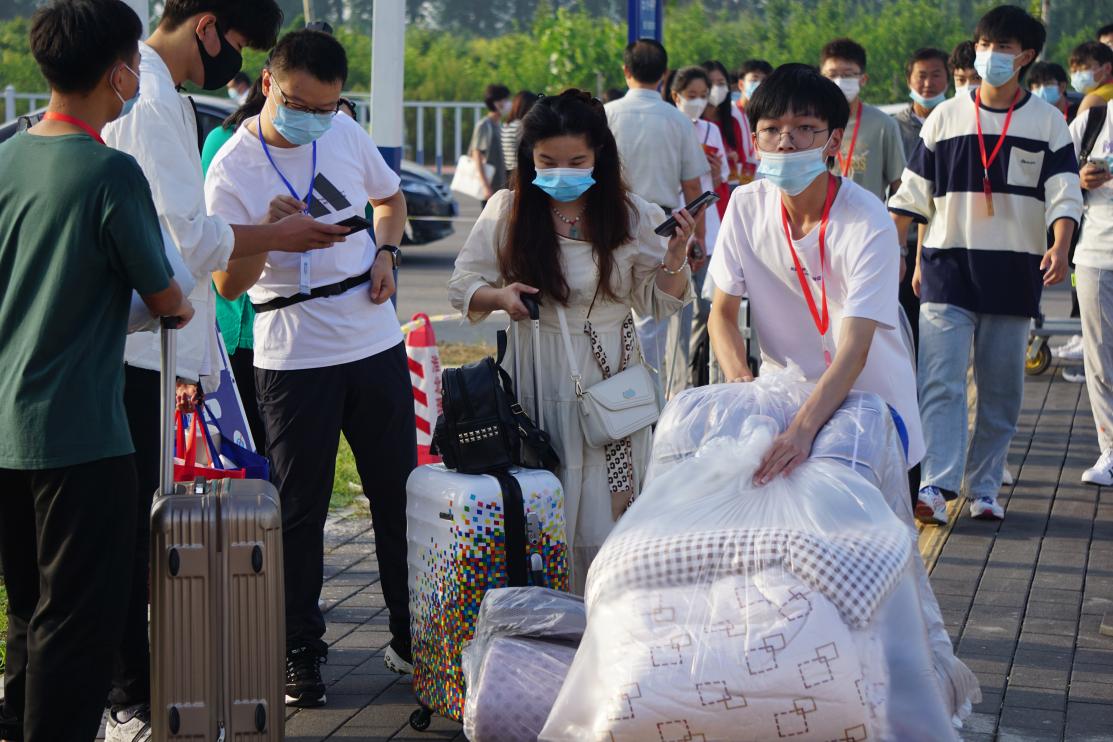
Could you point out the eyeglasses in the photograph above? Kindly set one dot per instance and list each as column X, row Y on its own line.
column 801, row 137
column 304, row 108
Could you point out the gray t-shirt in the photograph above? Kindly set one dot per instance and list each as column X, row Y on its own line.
column 658, row 146
column 878, row 157
column 910, row 125
column 487, row 138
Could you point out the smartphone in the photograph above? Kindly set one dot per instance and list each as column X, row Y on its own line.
column 1099, row 162
column 355, row 224
column 705, row 199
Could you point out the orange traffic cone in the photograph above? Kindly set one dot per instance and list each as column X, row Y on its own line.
column 425, row 376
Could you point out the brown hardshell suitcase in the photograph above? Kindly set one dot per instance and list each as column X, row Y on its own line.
column 218, row 626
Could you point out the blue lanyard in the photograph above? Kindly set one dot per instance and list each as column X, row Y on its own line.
column 289, row 186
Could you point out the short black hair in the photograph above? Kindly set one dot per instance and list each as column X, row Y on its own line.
column 646, row 60
column 801, row 89
column 315, row 52
column 1105, row 30
column 1091, row 51
column 1047, row 73
column 258, row 20
column 754, row 65
column 493, row 94
column 847, row 49
column 962, row 58
column 926, row 54
column 1007, row 23
column 75, row 42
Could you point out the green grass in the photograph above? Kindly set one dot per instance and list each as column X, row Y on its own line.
column 346, row 487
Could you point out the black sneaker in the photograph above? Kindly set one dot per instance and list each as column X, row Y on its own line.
column 11, row 729
column 304, row 687
column 399, row 657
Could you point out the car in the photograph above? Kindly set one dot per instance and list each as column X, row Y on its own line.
column 426, row 194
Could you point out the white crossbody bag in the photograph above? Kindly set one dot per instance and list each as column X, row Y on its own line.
column 617, row 407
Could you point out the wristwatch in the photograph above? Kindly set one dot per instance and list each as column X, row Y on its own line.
column 395, row 254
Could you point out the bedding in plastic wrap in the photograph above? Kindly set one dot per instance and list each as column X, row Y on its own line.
column 861, row 435
column 718, row 610
column 525, row 639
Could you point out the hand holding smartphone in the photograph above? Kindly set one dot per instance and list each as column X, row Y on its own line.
column 705, row 199
column 355, row 224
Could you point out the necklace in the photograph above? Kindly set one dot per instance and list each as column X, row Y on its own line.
column 573, row 224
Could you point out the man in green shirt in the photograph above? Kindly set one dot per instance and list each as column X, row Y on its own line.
column 78, row 233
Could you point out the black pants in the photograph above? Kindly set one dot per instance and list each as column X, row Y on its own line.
column 304, row 412
column 131, row 678
column 66, row 535
column 243, row 368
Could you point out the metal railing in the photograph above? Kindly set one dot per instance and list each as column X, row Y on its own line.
column 12, row 100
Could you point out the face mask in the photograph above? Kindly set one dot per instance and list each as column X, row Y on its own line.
column 849, row 86
column 693, row 108
column 965, row 91
column 735, row 96
column 1049, row 93
column 221, row 68
column 996, row 68
column 233, row 94
column 299, row 127
column 718, row 94
column 928, row 103
column 750, row 88
column 129, row 103
column 792, row 172
column 564, row 183
column 504, row 107
column 1082, row 81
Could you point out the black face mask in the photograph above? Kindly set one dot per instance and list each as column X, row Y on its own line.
column 221, row 68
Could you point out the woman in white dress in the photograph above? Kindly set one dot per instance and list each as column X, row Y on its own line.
column 572, row 234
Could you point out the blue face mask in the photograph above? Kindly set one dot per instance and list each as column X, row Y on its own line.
column 996, row 68
column 928, row 103
column 1049, row 93
column 300, row 127
column 564, row 183
column 735, row 96
column 1083, row 81
column 792, row 172
column 129, row 103
column 750, row 88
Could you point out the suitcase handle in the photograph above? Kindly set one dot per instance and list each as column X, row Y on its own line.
column 532, row 305
column 168, row 365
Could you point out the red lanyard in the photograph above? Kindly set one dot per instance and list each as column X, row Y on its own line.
column 65, row 117
column 822, row 321
column 986, row 162
column 847, row 165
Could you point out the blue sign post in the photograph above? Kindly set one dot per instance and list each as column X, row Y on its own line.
column 645, row 19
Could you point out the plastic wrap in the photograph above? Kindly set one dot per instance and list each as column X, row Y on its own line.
column 525, row 639
column 718, row 610
column 860, row 434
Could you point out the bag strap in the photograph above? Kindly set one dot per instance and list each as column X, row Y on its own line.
column 214, row 455
column 514, row 523
column 575, row 368
column 1094, row 125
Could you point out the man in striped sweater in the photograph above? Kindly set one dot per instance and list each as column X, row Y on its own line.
column 993, row 171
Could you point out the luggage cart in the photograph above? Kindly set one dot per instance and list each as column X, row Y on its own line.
column 1038, row 358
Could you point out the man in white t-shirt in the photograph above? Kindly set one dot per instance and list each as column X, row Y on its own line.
column 329, row 353
column 1093, row 259
column 814, row 253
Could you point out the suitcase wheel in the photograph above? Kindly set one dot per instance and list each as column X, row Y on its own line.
column 260, row 716
column 420, row 719
column 175, row 720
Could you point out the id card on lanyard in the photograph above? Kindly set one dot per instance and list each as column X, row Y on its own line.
column 822, row 319
column 303, row 270
column 987, row 160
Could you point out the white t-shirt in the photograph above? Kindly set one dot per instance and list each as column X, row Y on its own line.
column 1095, row 244
column 319, row 332
column 752, row 258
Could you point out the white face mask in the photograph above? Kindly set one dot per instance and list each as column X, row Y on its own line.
column 693, row 108
column 719, row 94
column 504, row 107
column 964, row 91
column 849, row 86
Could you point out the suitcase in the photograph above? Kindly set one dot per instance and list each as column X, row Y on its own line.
column 460, row 530
column 218, row 626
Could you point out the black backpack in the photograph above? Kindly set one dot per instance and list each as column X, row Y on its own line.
column 483, row 428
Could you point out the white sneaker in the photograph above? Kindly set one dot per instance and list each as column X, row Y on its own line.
column 931, row 507
column 1101, row 473
column 1076, row 375
column 130, row 724
column 986, row 508
column 1007, row 479
column 1070, row 350
column 395, row 662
